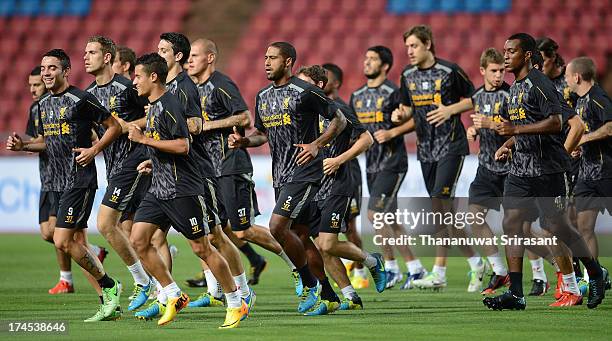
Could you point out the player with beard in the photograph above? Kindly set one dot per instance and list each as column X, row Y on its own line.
column 386, row 160
column 287, row 117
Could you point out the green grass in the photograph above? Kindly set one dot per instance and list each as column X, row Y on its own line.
column 29, row 270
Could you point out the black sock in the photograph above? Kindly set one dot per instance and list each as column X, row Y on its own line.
column 101, row 299
column 327, row 292
column 516, row 283
column 308, row 280
column 252, row 255
column 577, row 270
column 593, row 267
column 106, row 282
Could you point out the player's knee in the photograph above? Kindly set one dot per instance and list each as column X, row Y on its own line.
column 62, row 243
column 139, row 244
column 326, row 245
column 201, row 248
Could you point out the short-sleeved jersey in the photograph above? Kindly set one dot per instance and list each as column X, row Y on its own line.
column 534, row 99
column 120, row 98
column 595, row 109
column 220, row 99
column 186, row 91
column 289, row 114
column 66, row 121
column 43, row 158
column 173, row 175
column 561, row 85
column 341, row 182
column 489, row 103
column 442, row 83
column 373, row 107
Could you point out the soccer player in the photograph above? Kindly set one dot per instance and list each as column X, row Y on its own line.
column 386, row 160
column 123, row 63
column 126, row 187
column 331, row 203
column 359, row 276
column 175, row 195
column 287, row 116
column 223, row 109
column 486, row 191
column 594, row 186
column 66, row 119
column 429, row 86
column 175, row 48
column 537, row 171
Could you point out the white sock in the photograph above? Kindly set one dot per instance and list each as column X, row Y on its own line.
column 161, row 295
column 138, row 273
column 369, row 260
column 414, row 266
column 212, row 284
column 475, row 262
column 570, row 283
column 233, row 299
column 361, row 272
column 440, row 270
column 172, row 290
column 95, row 249
column 242, row 285
column 537, row 267
column 391, row 265
column 497, row 262
column 66, row 276
column 284, row 256
column 586, row 275
column 348, row 292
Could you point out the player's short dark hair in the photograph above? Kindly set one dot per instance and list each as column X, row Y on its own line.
column 424, row 33
column 35, row 71
column 526, row 42
column 537, row 59
column 384, row 53
column 107, row 44
column 127, row 55
column 315, row 72
column 61, row 55
column 286, row 50
column 491, row 56
column 550, row 48
column 335, row 70
column 153, row 62
column 179, row 42
column 585, row 67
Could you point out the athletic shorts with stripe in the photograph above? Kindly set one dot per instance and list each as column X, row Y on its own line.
column 293, row 198
column 187, row 214
column 47, row 205
column 75, row 207
column 383, row 189
column 213, row 198
column 441, row 176
column 124, row 188
column 328, row 215
column 239, row 199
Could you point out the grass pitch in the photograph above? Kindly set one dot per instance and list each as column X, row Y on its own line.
column 28, row 270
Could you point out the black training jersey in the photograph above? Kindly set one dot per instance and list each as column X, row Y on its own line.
column 43, row 158
column 595, row 109
column 561, row 85
column 489, row 103
column 289, row 114
column 66, row 121
column 220, row 98
column 534, row 99
column 173, row 175
column 373, row 107
column 341, row 182
column 120, row 98
column 443, row 83
column 186, row 92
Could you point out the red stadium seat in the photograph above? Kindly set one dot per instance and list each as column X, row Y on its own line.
column 464, row 23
